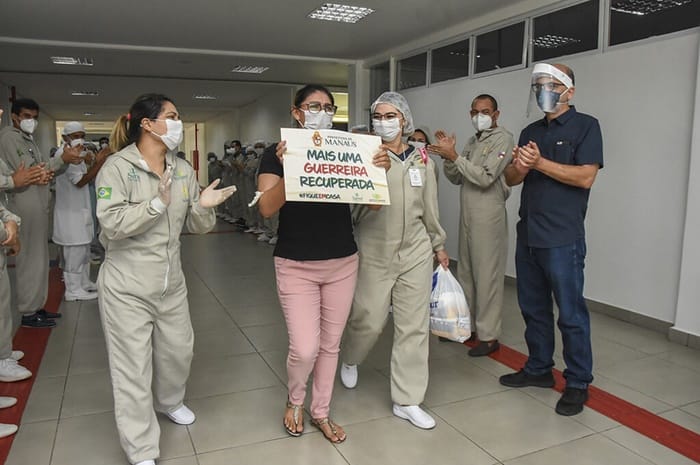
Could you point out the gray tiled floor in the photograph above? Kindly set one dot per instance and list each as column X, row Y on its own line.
column 237, row 389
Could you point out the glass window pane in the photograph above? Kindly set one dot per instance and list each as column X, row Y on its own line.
column 567, row 31
column 638, row 19
column 411, row 71
column 379, row 80
column 500, row 49
column 450, row 62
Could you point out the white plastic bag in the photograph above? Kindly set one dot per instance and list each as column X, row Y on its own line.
column 449, row 312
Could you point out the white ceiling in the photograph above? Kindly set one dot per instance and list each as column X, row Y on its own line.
column 184, row 48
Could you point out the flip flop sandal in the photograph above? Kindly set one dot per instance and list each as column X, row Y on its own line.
column 320, row 422
column 295, row 416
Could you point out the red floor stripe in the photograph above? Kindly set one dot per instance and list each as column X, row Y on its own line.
column 667, row 433
column 33, row 342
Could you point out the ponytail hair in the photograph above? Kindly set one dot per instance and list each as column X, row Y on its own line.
column 127, row 130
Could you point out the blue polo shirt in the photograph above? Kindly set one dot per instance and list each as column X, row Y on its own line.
column 552, row 213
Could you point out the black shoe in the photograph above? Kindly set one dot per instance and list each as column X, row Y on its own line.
column 37, row 321
column 484, row 348
column 571, row 402
column 523, row 379
column 47, row 314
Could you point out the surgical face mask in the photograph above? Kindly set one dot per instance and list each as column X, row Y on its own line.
column 417, row 144
column 230, row 151
column 104, row 145
column 548, row 100
column 481, row 122
column 76, row 142
column 28, row 125
column 259, row 150
column 173, row 134
column 388, row 130
column 320, row 120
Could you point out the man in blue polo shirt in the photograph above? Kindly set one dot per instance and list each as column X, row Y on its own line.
column 557, row 159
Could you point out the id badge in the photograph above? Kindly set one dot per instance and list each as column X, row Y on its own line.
column 414, row 176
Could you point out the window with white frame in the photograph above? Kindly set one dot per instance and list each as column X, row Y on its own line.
column 411, row 71
column 500, row 49
column 450, row 61
column 565, row 32
column 638, row 19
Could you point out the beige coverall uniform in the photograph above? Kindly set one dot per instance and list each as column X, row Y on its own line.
column 396, row 245
column 483, row 225
column 5, row 291
column 142, row 292
column 31, row 203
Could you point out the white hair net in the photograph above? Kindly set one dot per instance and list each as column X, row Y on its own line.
column 397, row 101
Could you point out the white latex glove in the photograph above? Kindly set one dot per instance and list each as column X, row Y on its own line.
column 164, row 185
column 211, row 196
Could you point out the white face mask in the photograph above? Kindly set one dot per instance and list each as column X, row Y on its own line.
column 173, row 134
column 259, row 150
column 28, row 125
column 416, row 144
column 388, row 130
column 320, row 120
column 76, row 142
column 104, row 145
column 481, row 122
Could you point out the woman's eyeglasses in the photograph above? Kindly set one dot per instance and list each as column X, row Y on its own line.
column 316, row 107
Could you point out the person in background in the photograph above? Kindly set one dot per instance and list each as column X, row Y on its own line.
column 420, row 137
column 214, row 167
column 316, row 270
column 397, row 244
column 72, row 216
column 10, row 370
column 557, row 160
column 28, row 198
column 250, row 173
column 145, row 195
column 483, row 224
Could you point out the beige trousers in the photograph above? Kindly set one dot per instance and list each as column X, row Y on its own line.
column 149, row 345
column 483, row 248
column 409, row 292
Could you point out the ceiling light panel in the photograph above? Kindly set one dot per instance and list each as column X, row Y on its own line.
column 85, row 93
column 340, row 13
column 74, row 61
column 646, row 7
column 203, row 97
column 249, row 69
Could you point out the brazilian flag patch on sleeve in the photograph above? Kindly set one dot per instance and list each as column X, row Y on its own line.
column 104, row 193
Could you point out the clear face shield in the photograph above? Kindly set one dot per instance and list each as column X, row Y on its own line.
column 546, row 87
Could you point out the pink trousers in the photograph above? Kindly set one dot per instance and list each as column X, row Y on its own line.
column 316, row 296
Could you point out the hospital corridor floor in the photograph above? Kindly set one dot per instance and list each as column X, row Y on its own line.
column 237, row 390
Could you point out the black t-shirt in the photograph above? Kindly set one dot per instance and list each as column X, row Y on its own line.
column 310, row 230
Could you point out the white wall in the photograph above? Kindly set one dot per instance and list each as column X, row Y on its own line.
column 687, row 315
column 264, row 118
column 643, row 96
column 219, row 130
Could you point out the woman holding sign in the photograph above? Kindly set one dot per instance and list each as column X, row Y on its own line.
column 316, row 270
column 396, row 246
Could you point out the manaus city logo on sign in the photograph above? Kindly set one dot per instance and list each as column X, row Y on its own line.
column 104, row 193
column 317, row 139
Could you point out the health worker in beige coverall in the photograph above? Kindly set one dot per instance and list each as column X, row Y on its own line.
column 144, row 196
column 27, row 174
column 396, row 245
column 483, row 224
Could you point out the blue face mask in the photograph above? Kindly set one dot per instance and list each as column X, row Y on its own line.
column 547, row 100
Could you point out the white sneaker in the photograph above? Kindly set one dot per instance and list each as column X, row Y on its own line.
column 7, row 430
column 80, row 294
column 348, row 375
column 146, row 462
column 17, row 355
column 415, row 415
column 11, row 371
column 182, row 416
column 273, row 240
column 6, row 402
